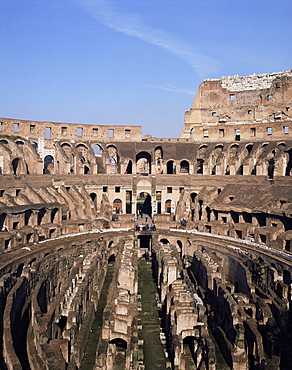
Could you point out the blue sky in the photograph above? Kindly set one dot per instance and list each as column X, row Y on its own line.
column 131, row 62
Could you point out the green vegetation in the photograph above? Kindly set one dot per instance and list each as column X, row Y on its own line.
column 152, row 347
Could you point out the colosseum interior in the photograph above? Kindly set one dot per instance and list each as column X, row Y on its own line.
column 123, row 252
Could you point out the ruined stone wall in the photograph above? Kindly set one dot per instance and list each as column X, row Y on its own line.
column 36, row 130
column 254, row 107
column 52, row 301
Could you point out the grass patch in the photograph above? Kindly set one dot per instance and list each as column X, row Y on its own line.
column 153, row 350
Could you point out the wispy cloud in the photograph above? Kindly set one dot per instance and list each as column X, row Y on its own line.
column 106, row 12
column 172, row 88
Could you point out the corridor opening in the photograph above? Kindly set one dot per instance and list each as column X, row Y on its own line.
column 144, row 204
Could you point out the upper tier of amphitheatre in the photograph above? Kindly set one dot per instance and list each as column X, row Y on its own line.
column 235, row 108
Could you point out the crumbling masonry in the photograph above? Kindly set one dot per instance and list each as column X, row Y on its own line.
column 218, row 202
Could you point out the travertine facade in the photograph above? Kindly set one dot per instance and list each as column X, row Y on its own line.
column 211, row 210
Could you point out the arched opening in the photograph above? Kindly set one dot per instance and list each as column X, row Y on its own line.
column 168, row 206
column 193, row 210
column 86, row 170
column 27, row 215
column 184, row 167
column 62, row 323
column 158, row 155
column 271, row 168
column 15, row 163
column 3, row 227
column 179, row 247
column 112, row 258
column 164, row 241
column 143, row 161
column 34, row 144
column 129, row 168
column 171, row 167
column 249, row 148
column 53, row 214
column 144, row 204
column 41, row 215
column 93, row 198
column 200, row 209
column 119, row 350
column 113, row 165
column 158, row 202
column 96, row 149
column 5, row 142
column 202, row 151
column 189, row 348
column 200, row 166
column 117, row 206
column 48, row 164
column 112, row 154
column 81, row 148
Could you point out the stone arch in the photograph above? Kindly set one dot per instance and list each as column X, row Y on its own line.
column 202, row 151
column 34, row 144
column 93, row 197
column 164, row 241
column 117, row 206
column 249, row 148
column 119, row 342
column 86, row 170
column 171, row 167
column 184, row 166
column 158, row 155
column 168, row 206
column 112, row 155
column 110, row 244
column 4, row 142
column 219, row 147
column 48, row 164
column 81, row 147
column 15, row 165
column 97, row 149
column 143, row 163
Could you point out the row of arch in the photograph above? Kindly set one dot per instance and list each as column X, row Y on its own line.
column 243, row 159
